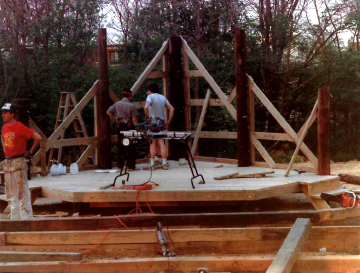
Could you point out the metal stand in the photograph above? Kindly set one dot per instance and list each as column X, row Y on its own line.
column 124, row 168
column 191, row 162
column 182, row 137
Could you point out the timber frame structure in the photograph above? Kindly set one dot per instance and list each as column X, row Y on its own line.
column 311, row 191
column 223, row 100
column 258, row 241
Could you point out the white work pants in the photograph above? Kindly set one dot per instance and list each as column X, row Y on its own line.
column 17, row 189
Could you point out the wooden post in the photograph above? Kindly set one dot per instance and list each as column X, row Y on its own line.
column 43, row 157
column 22, row 107
column 165, row 61
column 243, row 139
column 187, row 93
column 251, row 123
column 22, row 115
column 103, row 120
column 176, row 94
column 324, row 131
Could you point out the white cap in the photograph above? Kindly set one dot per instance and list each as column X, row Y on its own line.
column 8, row 107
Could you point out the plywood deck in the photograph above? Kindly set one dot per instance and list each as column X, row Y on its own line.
column 174, row 185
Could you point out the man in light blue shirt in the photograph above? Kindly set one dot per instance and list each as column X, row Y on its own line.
column 155, row 106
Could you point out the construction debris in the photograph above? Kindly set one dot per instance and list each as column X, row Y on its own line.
column 237, row 175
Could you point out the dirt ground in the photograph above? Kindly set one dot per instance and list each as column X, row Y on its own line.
column 350, row 167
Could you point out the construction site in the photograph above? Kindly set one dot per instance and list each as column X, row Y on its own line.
column 203, row 214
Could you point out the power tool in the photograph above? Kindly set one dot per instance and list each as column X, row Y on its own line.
column 347, row 200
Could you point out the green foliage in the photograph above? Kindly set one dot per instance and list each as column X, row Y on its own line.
column 62, row 36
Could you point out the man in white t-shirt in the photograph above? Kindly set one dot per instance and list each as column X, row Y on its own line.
column 155, row 106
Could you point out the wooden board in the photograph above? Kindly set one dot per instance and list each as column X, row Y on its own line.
column 17, row 256
column 188, row 240
column 310, row 263
column 289, row 251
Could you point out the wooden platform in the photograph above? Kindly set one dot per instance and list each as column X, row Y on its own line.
column 175, row 185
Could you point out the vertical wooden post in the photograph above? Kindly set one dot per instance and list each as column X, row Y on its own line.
column 187, row 93
column 43, row 157
column 243, row 140
column 176, row 95
column 103, row 121
column 96, row 130
column 165, row 61
column 324, row 131
column 251, row 123
column 22, row 115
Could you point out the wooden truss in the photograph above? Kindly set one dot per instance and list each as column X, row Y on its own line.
column 223, row 100
column 289, row 135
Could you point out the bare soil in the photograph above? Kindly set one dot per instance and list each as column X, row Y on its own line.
column 350, row 167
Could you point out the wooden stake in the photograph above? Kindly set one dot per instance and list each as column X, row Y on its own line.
column 324, row 131
column 243, row 140
column 103, row 121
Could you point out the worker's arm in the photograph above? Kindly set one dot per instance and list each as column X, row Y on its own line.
column 36, row 141
column 135, row 120
column 171, row 112
column 146, row 110
column 110, row 114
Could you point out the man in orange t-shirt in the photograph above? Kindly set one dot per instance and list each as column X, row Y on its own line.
column 14, row 137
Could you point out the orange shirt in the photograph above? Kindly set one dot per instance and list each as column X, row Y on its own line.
column 15, row 138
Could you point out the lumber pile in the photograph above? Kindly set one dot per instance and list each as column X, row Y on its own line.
column 218, row 249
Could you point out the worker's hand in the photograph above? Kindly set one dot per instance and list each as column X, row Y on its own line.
column 28, row 155
column 167, row 125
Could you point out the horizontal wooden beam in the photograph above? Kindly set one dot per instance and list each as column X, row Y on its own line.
column 114, row 98
column 326, row 263
column 215, row 134
column 193, row 73
column 200, row 102
column 216, row 159
column 157, row 75
column 228, row 219
column 74, row 142
column 272, row 136
column 28, row 256
column 195, row 241
column 284, row 166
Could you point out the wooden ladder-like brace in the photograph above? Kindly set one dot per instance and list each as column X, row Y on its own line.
column 66, row 105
